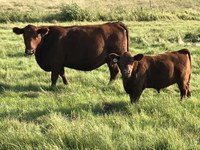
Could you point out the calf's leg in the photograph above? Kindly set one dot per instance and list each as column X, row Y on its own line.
column 135, row 95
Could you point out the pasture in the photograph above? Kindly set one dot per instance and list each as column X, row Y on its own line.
column 88, row 113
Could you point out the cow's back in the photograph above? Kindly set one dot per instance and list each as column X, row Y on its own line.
column 87, row 47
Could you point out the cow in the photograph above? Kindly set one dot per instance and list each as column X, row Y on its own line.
column 83, row 47
column 154, row 71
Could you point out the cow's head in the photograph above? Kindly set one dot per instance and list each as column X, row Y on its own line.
column 32, row 36
column 125, row 62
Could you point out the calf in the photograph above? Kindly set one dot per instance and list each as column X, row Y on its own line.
column 158, row 71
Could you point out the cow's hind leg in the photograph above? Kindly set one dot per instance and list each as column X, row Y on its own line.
column 114, row 70
column 188, row 92
column 62, row 74
column 184, row 86
column 183, row 89
column 188, row 88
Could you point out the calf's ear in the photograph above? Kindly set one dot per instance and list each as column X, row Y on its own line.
column 43, row 31
column 138, row 57
column 17, row 30
column 114, row 57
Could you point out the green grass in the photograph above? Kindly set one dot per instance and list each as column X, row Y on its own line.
column 90, row 114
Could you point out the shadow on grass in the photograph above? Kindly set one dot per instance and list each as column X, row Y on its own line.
column 3, row 88
column 105, row 108
column 70, row 111
column 114, row 107
column 17, row 55
column 26, row 88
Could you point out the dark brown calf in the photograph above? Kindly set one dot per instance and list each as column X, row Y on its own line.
column 158, row 71
column 78, row 47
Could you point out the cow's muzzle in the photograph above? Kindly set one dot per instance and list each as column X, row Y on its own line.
column 127, row 73
column 29, row 51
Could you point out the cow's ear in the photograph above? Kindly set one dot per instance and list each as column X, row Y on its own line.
column 114, row 57
column 17, row 30
column 138, row 57
column 43, row 31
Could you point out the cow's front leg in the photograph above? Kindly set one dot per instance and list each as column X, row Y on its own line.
column 54, row 77
column 62, row 74
column 134, row 98
column 114, row 70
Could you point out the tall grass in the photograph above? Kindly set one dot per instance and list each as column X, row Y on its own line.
column 90, row 114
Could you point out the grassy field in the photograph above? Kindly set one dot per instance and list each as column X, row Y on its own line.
column 96, row 10
column 90, row 114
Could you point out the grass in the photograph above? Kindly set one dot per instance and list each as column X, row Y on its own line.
column 90, row 114
column 95, row 10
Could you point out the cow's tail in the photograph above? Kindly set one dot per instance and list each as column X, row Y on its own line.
column 186, row 51
column 127, row 33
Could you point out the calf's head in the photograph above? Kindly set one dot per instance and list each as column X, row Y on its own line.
column 126, row 62
column 32, row 36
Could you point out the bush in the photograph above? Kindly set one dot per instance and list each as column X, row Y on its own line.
column 76, row 13
column 189, row 15
column 192, row 37
column 12, row 16
column 144, row 15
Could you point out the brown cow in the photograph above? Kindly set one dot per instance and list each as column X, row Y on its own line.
column 158, row 71
column 78, row 47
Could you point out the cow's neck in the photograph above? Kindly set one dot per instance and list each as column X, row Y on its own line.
column 39, row 51
column 42, row 53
